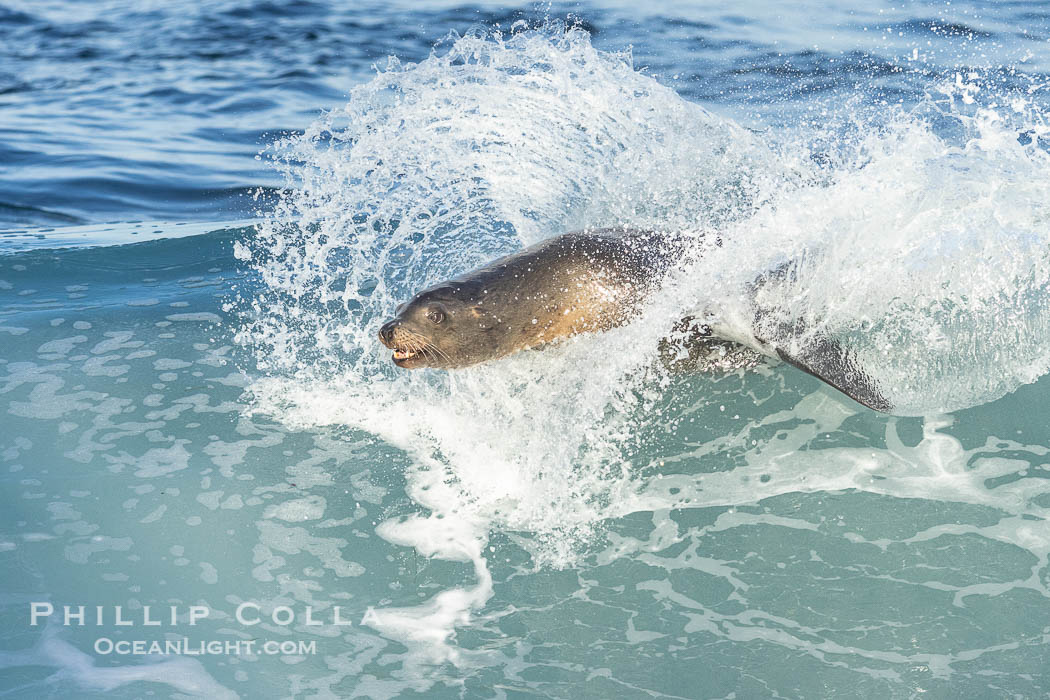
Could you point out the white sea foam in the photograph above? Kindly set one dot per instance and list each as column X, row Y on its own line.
column 922, row 246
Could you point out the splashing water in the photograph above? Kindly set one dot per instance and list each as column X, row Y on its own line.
column 921, row 240
column 929, row 256
column 498, row 143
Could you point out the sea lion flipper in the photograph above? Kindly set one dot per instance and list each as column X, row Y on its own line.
column 824, row 358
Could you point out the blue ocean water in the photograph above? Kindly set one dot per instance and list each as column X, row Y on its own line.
column 206, row 209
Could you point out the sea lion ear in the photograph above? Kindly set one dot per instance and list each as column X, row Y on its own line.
column 484, row 320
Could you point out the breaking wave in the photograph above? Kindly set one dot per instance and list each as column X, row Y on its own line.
column 918, row 236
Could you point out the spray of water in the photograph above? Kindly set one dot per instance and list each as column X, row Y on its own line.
column 921, row 240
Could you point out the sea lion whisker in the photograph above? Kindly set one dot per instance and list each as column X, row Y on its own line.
column 420, row 346
column 439, row 351
column 412, row 342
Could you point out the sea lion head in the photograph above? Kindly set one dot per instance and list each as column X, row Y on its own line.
column 442, row 327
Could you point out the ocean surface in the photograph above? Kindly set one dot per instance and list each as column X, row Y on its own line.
column 208, row 209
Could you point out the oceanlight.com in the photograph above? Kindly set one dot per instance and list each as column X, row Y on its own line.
column 184, row 647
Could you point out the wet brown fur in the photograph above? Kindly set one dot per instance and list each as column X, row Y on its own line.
column 575, row 283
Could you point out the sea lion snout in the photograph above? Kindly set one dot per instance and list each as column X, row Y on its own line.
column 402, row 342
column 386, row 333
column 414, row 346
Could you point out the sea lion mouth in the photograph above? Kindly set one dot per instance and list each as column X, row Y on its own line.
column 406, row 358
column 411, row 349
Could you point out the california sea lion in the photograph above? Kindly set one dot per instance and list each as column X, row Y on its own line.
column 582, row 282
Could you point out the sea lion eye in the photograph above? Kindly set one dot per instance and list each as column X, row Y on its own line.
column 435, row 316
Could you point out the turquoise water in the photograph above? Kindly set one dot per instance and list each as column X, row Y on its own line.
column 196, row 412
